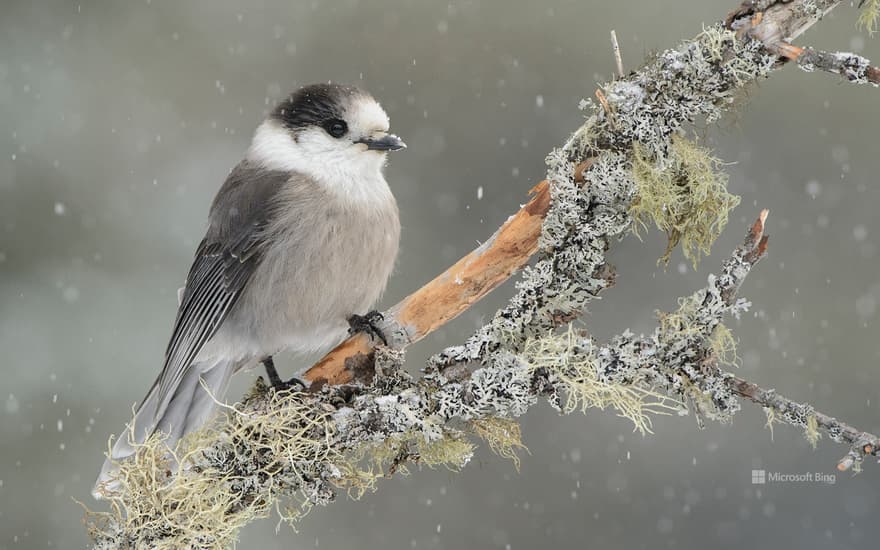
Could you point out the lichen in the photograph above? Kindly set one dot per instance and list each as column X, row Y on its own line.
column 451, row 451
column 190, row 496
column 811, row 430
column 692, row 342
column 698, row 81
column 570, row 360
column 684, row 194
column 373, row 460
column 682, row 324
column 503, row 435
column 870, row 16
column 293, row 450
column 771, row 420
column 723, row 345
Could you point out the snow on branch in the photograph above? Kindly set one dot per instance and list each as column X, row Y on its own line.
column 634, row 163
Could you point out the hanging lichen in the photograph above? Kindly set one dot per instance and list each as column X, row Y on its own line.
column 684, row 194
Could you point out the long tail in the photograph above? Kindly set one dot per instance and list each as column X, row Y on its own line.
column 191, row 406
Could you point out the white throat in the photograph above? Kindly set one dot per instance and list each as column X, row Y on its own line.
column 350, row 172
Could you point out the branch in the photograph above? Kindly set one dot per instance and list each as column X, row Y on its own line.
column 631, row 164
column 447, row 296
column 862, row 444
column 850, row 66
column 775, row 32
column 854, row 68
column 304, row 446
column 451, row 293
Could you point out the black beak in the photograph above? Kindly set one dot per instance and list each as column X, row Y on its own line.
column 388, row 142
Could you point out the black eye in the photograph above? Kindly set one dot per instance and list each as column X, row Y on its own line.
column 335, row 127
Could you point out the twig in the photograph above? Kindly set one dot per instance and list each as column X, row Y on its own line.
column 436, row 307
column 862, row 444
column 444, row 298
column 854, row 68
column 616, row 48
column 305, row 443
column 776, row 35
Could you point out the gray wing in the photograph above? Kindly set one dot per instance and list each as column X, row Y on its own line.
column 224, row 262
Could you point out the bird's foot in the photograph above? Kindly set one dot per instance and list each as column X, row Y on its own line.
column 278, row 385
column 368, row 324
column 293, row 385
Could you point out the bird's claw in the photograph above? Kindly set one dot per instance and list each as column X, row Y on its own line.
column 292, row 385
column 368, row 324
column 275, row 381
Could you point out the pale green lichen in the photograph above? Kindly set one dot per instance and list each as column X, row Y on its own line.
column 503, row 435
column 811, row 430
column 351, row 438
column 869, row 18
column 723, row 345
column 684, row 194
column 157, row 498
column 571, row 361
column 682, row 324
column 376, row 459
column 451, row 451
column 771, row 420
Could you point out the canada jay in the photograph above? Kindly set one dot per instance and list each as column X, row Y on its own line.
column 301, row 239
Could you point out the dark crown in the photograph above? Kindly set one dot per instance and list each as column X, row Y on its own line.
column 314, row 104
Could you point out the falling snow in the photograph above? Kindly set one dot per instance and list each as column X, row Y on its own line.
column 12, row 404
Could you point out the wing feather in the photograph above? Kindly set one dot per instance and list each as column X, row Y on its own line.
column 224, row 262
column 216, row 282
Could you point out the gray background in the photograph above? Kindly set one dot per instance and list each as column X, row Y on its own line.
column 119, row 120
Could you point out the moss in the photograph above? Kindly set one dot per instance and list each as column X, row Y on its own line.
column 684, row 195
column 503, row 435
column 869, row 18
column 575, row 367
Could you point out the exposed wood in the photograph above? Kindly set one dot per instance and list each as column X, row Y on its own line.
column 449, row 294
column 509, row 249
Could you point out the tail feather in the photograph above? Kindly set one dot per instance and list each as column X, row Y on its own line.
column 193, row 403
column 198, row 396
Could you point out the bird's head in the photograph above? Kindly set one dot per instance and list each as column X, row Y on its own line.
column 326, row 130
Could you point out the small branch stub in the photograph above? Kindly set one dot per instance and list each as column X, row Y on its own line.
column 364, row 406
column 616, row 48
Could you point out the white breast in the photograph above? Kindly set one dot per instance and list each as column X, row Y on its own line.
column 343, row 168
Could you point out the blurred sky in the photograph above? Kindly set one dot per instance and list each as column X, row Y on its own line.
column 120, row 119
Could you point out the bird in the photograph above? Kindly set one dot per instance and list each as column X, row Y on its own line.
column 301, row 239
